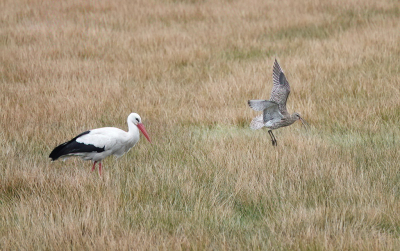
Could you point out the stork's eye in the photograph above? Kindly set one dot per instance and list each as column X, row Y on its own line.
column 137, row 120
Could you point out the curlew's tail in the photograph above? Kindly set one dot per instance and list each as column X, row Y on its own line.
column 257, row 122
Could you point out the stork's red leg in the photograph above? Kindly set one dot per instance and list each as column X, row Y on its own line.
column 94, row 165
column 100, row 168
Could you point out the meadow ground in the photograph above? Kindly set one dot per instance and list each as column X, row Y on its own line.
column 207, row 182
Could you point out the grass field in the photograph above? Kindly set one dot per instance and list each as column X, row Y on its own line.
column 207, row 182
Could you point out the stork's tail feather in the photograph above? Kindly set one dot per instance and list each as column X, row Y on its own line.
column 257, row 122
column 71, row 147
column 59, row 151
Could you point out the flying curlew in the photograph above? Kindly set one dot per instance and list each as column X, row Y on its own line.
column 274, row 110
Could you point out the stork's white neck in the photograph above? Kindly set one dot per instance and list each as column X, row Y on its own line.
column 133, row 134
column 132, row 128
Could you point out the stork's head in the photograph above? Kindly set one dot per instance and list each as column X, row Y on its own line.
column 135, row 119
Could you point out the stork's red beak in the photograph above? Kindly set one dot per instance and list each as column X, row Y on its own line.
column 143, row 130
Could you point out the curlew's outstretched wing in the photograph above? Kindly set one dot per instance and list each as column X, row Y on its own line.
column 260, row 105
column 281, row 88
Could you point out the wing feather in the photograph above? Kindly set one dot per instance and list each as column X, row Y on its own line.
column 281, row 89
column 272, row 113
column 260, row 105
column 106, row 137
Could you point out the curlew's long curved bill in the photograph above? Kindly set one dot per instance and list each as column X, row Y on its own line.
column 143, row 130
column 306, row 125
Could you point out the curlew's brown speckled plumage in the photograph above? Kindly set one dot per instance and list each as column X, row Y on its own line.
column 274, row 110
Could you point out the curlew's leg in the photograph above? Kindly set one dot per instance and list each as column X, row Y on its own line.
column 100, row 168
column 274, row 142
column 94, row 165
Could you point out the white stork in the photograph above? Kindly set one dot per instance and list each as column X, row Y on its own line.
column 100, row 143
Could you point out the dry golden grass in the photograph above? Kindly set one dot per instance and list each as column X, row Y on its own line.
column 207, row 182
